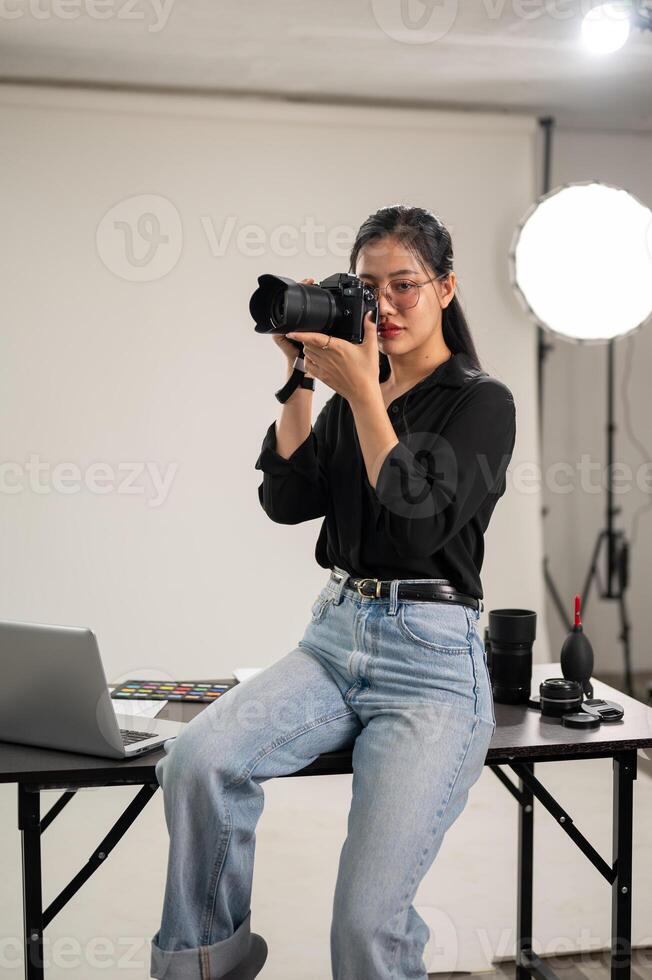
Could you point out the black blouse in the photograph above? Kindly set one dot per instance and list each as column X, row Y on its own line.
column 436, row 489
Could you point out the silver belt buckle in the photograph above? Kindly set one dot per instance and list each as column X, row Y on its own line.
column 364, row 594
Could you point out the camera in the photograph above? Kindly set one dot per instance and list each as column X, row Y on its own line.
column 337, row 306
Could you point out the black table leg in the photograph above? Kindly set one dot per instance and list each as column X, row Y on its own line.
column 624, row 774
column 29, row 823
column 525, row 870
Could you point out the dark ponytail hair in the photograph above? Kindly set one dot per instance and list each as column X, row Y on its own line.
column 422, row 232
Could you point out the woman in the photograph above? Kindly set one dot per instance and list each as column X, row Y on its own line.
column 406, row 462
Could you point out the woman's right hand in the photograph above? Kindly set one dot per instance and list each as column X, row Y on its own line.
column 290, row 350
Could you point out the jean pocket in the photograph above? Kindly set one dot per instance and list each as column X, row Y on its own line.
column 320, row 605
column 435, row 626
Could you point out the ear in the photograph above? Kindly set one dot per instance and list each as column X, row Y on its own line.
column 448, row 290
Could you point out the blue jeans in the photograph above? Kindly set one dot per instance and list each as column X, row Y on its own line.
column 404, row 683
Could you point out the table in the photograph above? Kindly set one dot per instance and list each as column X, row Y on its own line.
column 522, row 739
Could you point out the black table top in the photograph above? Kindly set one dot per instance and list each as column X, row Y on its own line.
column 522, row 734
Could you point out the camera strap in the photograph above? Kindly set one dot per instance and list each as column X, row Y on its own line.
column 297, row 379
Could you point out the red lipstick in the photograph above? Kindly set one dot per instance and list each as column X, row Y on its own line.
column 389, row 330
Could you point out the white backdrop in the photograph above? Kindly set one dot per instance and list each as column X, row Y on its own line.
column 168, row 374
column 136, row 394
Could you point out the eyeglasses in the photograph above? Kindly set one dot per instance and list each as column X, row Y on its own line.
column 403, row 294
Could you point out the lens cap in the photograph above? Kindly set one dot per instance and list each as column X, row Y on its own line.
column 580, row 719
column 604, row 710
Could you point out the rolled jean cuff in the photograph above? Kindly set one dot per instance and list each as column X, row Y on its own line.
column 202, row 962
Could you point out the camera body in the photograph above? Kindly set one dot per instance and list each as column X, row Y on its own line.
column 336, row 306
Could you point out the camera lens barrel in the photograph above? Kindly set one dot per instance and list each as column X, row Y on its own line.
column 560, row 696
column 280, row 305
column 307, row 308
column 513, row 625
column 511, row 634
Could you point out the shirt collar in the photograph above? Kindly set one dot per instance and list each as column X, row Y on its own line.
column 453, row 373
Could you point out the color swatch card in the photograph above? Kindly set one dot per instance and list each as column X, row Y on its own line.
column 137, row 689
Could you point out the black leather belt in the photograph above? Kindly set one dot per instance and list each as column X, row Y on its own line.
column 373, row 588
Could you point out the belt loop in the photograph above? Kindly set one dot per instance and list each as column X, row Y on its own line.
column 339, row 577
column 393, row 596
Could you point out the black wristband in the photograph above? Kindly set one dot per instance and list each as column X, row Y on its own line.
column 297, row 379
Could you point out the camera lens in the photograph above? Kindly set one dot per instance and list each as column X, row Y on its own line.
column 280, row 305
column 511, row 635
column 277, row 309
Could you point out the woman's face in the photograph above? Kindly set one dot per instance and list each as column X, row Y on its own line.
column 387, row 260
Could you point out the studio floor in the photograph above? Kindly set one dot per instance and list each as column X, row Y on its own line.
column 574, row 967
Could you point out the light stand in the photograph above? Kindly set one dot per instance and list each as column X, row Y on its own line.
column 617, row 553
column 537, row 251
column 617, row 546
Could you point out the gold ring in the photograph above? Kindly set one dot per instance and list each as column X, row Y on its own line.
column 327, row 343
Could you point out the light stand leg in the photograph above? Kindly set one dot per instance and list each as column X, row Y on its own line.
column 617, row 549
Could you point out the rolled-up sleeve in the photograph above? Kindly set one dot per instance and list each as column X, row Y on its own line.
column 431, row 484
column 295, row 489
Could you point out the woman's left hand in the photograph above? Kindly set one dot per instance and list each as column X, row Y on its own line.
column 349, row 369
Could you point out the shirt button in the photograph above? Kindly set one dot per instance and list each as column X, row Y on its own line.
column 395, row 409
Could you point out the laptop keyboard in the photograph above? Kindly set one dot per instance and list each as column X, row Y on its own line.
column 129, row 736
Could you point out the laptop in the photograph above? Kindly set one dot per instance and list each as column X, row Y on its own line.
column 53, row 693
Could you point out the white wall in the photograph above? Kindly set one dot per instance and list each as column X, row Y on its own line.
column 100, row 367
column 575, row 419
